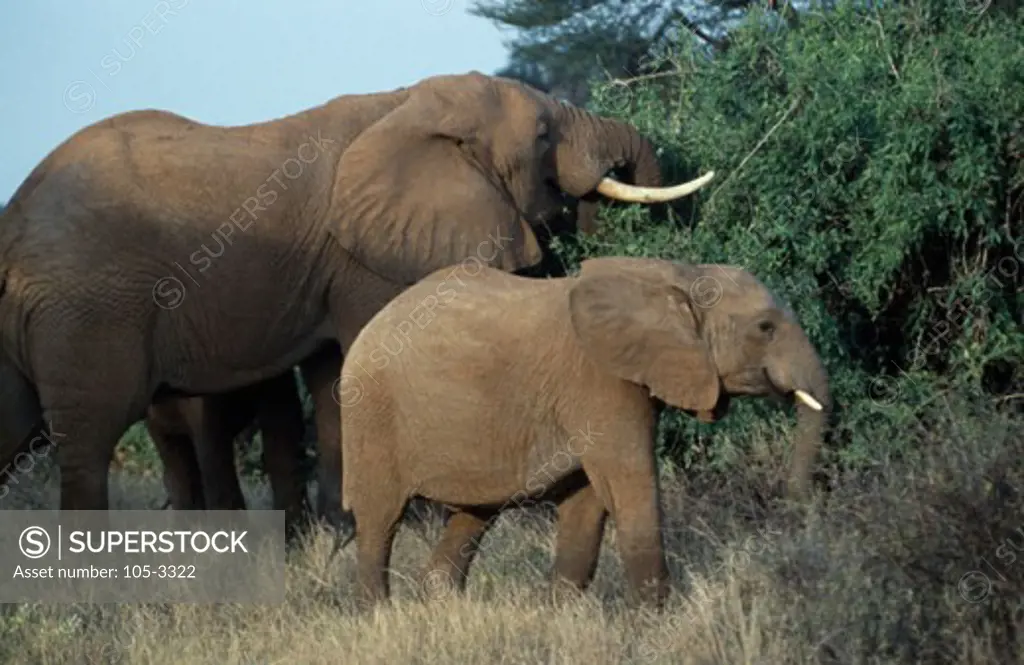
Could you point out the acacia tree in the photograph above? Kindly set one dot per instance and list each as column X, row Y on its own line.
column 561, row 46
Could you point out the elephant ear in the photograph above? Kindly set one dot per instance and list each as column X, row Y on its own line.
column 414, row 192
column 638, row 324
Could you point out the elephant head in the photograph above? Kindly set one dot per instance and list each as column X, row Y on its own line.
column 464, row 166
column 696, row 334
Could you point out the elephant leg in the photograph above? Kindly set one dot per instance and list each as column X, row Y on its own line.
column 88, row 402
column 449, row 564
column 321, row 372
column 280, row 420
column 377, row 518
column 581, row 519
column 182, row 478
column 84, row 455
column 631, row 497
column 221, row 419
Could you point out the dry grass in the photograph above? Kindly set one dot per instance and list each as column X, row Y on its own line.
column 869, row 575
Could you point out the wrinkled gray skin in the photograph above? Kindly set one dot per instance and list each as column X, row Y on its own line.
column 151, row 258
column 520, row 388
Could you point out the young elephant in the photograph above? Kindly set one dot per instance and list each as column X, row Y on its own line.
column 466, row 388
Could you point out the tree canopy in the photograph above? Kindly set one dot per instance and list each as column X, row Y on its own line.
column 562, row 46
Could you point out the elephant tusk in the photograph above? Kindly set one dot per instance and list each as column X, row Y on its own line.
column 808, row 400
column 620, row 191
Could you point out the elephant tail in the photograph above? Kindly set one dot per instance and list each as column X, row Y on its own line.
column 23, row 438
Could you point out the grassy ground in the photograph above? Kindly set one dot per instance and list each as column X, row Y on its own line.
column 916, row 561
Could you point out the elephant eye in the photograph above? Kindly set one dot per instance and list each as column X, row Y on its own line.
column 767, row 327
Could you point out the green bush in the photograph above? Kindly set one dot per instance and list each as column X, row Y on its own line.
column 869, row 170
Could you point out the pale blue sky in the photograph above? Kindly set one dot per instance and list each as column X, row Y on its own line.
column 67, row 64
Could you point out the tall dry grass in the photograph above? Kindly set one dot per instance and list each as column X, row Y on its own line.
column 917, row 561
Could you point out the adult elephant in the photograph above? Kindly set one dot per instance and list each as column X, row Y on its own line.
column 151, row 257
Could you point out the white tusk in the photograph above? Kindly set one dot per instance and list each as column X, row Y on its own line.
column 808, row 400
column 620, row 191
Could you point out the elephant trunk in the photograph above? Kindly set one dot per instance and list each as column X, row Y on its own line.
column 810, row 433
column 805, row 375
column 637, row 162
column 640, row 160
column 633, row 154
column 592, row 148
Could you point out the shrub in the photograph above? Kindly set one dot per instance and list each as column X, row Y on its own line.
column 869, row 170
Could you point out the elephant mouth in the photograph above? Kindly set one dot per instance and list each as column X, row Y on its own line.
column 555, row 202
